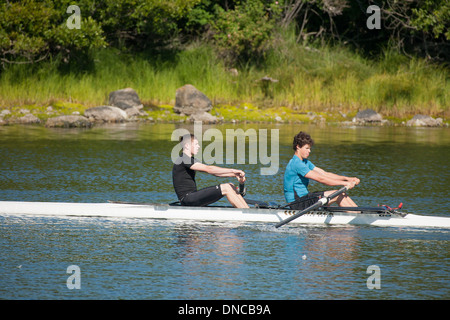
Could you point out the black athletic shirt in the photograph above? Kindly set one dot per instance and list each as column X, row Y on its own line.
column 183, row 177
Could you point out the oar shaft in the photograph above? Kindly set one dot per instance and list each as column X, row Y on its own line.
column 322, row 201
column 298, row 214
column 300, row 200
column 336, row 193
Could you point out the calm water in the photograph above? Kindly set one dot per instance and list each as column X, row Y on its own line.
column 151, row 259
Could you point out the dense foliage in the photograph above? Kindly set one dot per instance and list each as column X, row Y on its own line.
column 34, row 30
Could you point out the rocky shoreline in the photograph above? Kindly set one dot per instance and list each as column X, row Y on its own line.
column 191, row 105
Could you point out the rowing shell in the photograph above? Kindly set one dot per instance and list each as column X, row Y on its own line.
column 165, row 211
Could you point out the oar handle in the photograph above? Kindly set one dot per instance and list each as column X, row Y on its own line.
column 242, row 190
column 322, row 201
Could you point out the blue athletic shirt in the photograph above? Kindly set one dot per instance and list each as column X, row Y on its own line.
column 294, row 178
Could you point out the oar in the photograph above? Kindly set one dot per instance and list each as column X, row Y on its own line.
column 242, row 189
column 322, row 201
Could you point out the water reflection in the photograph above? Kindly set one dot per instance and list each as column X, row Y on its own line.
column 296, row 261
column 208, row 253
column 158, row 259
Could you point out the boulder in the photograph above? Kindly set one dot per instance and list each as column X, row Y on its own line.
column 420, row 120
column 5, row 113
column 68, row 121
column 203, row 117
column 367, row 116
column 189, row 101
column 134, row 112
column 106, row 114
column 27, row 119
column 124, row 99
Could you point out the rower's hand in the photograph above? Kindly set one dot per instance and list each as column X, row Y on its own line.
column 356, row 180
column 350, row 184
column 240, row 175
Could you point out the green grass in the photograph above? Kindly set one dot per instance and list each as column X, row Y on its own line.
column 309, row 79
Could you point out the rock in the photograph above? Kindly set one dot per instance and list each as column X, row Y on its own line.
column 125, row 99
column 5, row 113
column 189, row 101
column 50, row 111
column 106, row 114
column 319, row 119
column 267, row 79
column 203, row 117
column 68, row 121
column 311, row 115
column 367, row 116
column 26, row 119
column 420, row 120
column 234, row 72
column 133, row 112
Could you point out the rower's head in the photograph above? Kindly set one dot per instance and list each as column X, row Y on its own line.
column 189, row 143
column 302, row 144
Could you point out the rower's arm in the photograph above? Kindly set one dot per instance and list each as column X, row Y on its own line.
column 217, row 171
column 336, row 176
column 329, row 174
column 328, row 179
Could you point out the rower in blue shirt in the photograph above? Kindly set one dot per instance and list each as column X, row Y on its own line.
column 300, row 170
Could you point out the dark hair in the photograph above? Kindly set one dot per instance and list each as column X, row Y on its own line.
column 301, row 139
column 184, row 139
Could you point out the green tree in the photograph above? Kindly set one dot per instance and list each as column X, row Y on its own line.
column 33, row 30
column 246, row 31
column 418, row 27
column 137, row 23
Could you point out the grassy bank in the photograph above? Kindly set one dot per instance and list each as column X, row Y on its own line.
column 317, row 79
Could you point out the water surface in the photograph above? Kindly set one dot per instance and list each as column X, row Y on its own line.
column 157, row 259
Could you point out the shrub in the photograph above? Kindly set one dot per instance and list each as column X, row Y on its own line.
column 245, row 32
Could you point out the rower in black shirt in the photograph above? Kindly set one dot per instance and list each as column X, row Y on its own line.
column 183, row 177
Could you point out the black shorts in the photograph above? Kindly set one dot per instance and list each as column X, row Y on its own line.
column 202, row 197
column 306, row 201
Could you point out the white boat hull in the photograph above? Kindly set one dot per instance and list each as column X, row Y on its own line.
column 163, row 211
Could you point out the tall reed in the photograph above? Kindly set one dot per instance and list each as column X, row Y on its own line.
column 310, row 78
